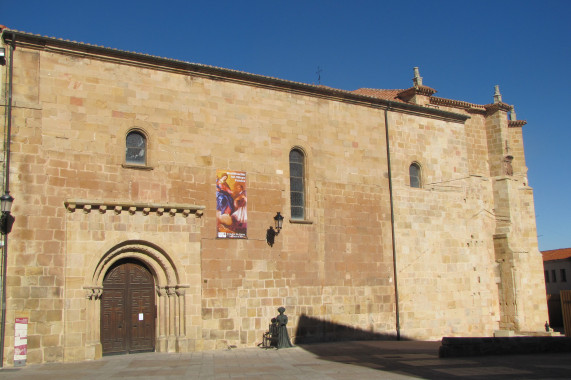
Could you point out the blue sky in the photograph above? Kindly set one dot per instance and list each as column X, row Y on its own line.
column 463, row 49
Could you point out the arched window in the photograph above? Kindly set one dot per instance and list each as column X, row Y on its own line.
column 296, row 183
column 414, row 173
column 136, row 148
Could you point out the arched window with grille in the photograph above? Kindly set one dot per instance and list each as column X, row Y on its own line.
column 414, row 173
column 297, row 183
column 136, row 148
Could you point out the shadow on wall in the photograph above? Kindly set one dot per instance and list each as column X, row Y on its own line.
column 313, row 330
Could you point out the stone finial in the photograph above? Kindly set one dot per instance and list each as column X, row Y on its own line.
column 497, row 95
column 513, row 116
column 417, row 80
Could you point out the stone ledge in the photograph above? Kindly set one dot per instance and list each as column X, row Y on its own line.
column 457, row 347
column 301, row 221
column 102, row 207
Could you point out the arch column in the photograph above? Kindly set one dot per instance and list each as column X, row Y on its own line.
column 162, row 319
column 181, row 338
column 171, row 319
column 93, row 310
column 181, row 294
column 172, row 311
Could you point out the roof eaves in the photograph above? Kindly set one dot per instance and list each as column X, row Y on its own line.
column 556, row 254
column 222, row 73
column 470, row 107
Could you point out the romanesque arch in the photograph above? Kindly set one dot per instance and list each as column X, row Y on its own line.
column 170, row 293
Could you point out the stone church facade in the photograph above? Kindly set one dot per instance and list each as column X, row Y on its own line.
column 406, row 215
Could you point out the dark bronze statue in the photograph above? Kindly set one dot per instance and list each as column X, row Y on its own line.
column 283, row 336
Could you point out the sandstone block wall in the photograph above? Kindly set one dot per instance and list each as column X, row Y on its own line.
column 79, row 208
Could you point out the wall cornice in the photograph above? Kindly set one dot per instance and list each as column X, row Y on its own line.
column 469, row 107
column 407, row 94
column 493, row 107
column 118, row 207
column 516, row 123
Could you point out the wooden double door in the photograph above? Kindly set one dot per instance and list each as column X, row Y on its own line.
column 128, row 311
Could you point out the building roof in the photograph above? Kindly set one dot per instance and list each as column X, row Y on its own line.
column 379, row 93
column 382, row 98
column 556, row 254
column 396, row 95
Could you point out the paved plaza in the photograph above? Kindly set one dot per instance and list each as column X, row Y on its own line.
column 342, row 360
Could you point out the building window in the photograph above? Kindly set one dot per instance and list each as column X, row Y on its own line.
column 136, row 148
column 553, row 276
column 296, row 183
column 563, row 275
column 546, row 273
column 414, row 173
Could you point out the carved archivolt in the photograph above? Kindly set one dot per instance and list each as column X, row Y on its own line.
column 156, row 259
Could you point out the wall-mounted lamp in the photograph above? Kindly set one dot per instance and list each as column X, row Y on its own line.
column 271, row 233
column 279, row 221
column 6, row 220
column 2, row 56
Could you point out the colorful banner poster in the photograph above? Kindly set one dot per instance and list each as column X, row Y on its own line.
column 20, row 342
column 231, row 203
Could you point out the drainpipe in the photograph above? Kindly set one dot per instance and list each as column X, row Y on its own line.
column 392, row 222
column 6, row 191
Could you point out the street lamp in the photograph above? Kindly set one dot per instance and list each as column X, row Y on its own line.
column 279, row 220
column 271, row 233
column 6, row 201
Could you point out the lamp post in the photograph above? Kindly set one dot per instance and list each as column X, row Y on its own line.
column 6, row 220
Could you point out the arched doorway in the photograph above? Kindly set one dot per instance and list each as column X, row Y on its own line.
column 128, row 311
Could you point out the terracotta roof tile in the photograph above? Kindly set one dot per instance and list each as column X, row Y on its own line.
column 378, row 93
column 556, row 254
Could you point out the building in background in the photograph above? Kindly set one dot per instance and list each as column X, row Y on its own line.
column 144, row 188
column 557, row 266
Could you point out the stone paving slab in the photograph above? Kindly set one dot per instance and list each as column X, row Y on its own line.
column 336, row 361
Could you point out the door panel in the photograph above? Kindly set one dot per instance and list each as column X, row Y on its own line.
column 142, row 319
column 128, row 309
column 112, row 321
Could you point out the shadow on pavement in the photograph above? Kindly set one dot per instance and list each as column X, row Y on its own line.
column 407, row 358
column 420, row 360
